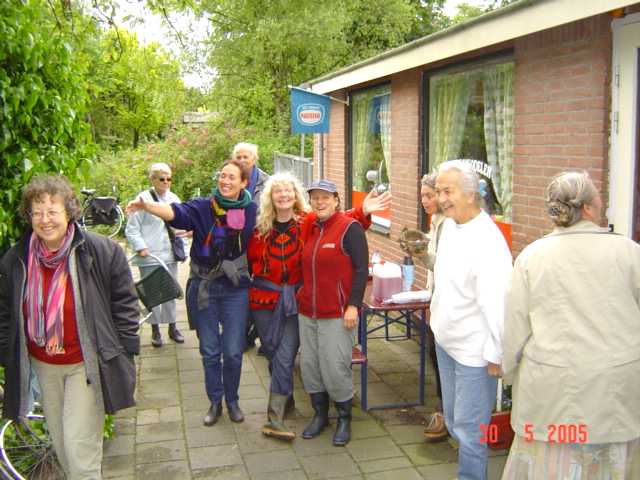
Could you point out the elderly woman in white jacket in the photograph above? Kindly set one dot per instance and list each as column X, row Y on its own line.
column 148, row 234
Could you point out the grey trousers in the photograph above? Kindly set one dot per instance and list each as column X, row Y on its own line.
column 325, row 357
column 166, row 312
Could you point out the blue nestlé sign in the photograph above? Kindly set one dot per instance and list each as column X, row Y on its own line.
column 309, row 112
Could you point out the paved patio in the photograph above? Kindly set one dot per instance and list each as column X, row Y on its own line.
column 163, row 437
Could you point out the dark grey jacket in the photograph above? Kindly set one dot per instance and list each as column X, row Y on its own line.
column 257, row 191
column 106, row 314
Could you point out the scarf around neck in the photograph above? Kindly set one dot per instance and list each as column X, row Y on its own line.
column 242, row 202
column 45, row 318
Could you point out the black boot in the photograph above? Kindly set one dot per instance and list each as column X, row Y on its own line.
column 275, row 426
column 235, row 413
column 174, row 334
column 156, row 336
column 320, row 404
column 212, row 416
column 343, row 429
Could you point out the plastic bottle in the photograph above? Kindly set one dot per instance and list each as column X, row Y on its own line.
column 408, row 272
column 387, row 280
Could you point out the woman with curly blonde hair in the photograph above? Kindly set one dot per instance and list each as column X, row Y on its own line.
column 280, row 183
column 275, row 258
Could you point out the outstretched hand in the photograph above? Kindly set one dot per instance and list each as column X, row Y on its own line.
column 134, row 205
column 375, row 202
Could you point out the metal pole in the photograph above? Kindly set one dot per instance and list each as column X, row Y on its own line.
column 302, row 147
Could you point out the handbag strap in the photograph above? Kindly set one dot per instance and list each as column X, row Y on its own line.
column 172, row 235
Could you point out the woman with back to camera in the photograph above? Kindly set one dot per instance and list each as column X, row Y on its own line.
column 69, row 312
column 217, row 290
column 435, row 429
column 275, row 255
column 572, row 347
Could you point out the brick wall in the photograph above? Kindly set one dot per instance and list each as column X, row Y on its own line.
column 562, row 108
column 562, row 104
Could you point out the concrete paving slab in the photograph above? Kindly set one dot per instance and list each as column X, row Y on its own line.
column 168, row 451
column 274, row 461
column 217, row 456
column 119, row 466
column 373, row 449
column 330, row 465
column 320, row 445
column 189, row 376
column 159, row 415
column 156, row 400
column 163, row 471
column 444, row 471
column 290, row 475
column 366, row 429
column 255, row 442
column 401, row 474
column 202, row 436
column 385, row 464
column 157, row 432
column 125, row 445
column 430, row 453
column 405, row 434
column 229, row 472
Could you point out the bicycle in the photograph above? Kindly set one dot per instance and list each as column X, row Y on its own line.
column 26, row 450
column 101, row 215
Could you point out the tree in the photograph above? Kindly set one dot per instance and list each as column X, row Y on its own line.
column 137, row 91
column 259, row 47
column 43, row 101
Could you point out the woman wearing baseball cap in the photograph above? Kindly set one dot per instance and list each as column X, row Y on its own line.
column 334, row 269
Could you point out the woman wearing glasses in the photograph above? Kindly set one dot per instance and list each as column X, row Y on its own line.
column 69, row 313
column 218, row 286
column 148, row 234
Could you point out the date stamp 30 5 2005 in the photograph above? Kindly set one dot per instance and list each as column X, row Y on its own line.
column 556, row 433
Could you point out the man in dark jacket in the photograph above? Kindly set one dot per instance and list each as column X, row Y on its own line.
column 69, row 315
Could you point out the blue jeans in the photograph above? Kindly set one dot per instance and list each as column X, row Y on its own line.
column 281, row 363
column 220, row 327
column 468, row 398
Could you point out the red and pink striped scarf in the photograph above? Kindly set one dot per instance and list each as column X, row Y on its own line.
column 47, row 330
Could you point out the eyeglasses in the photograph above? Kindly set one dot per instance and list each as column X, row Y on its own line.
column 164, row 179
column 52, row 214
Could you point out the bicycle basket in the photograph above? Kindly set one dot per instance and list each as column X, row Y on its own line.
column 103, row 211
column 157, row 287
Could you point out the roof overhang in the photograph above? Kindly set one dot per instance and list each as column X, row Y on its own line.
column 503, row 25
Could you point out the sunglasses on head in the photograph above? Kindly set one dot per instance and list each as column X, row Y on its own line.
column 164, row 179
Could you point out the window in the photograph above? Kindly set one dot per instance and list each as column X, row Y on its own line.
column 371, row 145
column 471, row 118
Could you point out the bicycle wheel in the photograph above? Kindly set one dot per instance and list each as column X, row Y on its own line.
column 92, row 223
column 27, row 451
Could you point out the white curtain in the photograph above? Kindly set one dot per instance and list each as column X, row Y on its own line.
column 498, row 131
column 385, row 136
column 449, row 101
